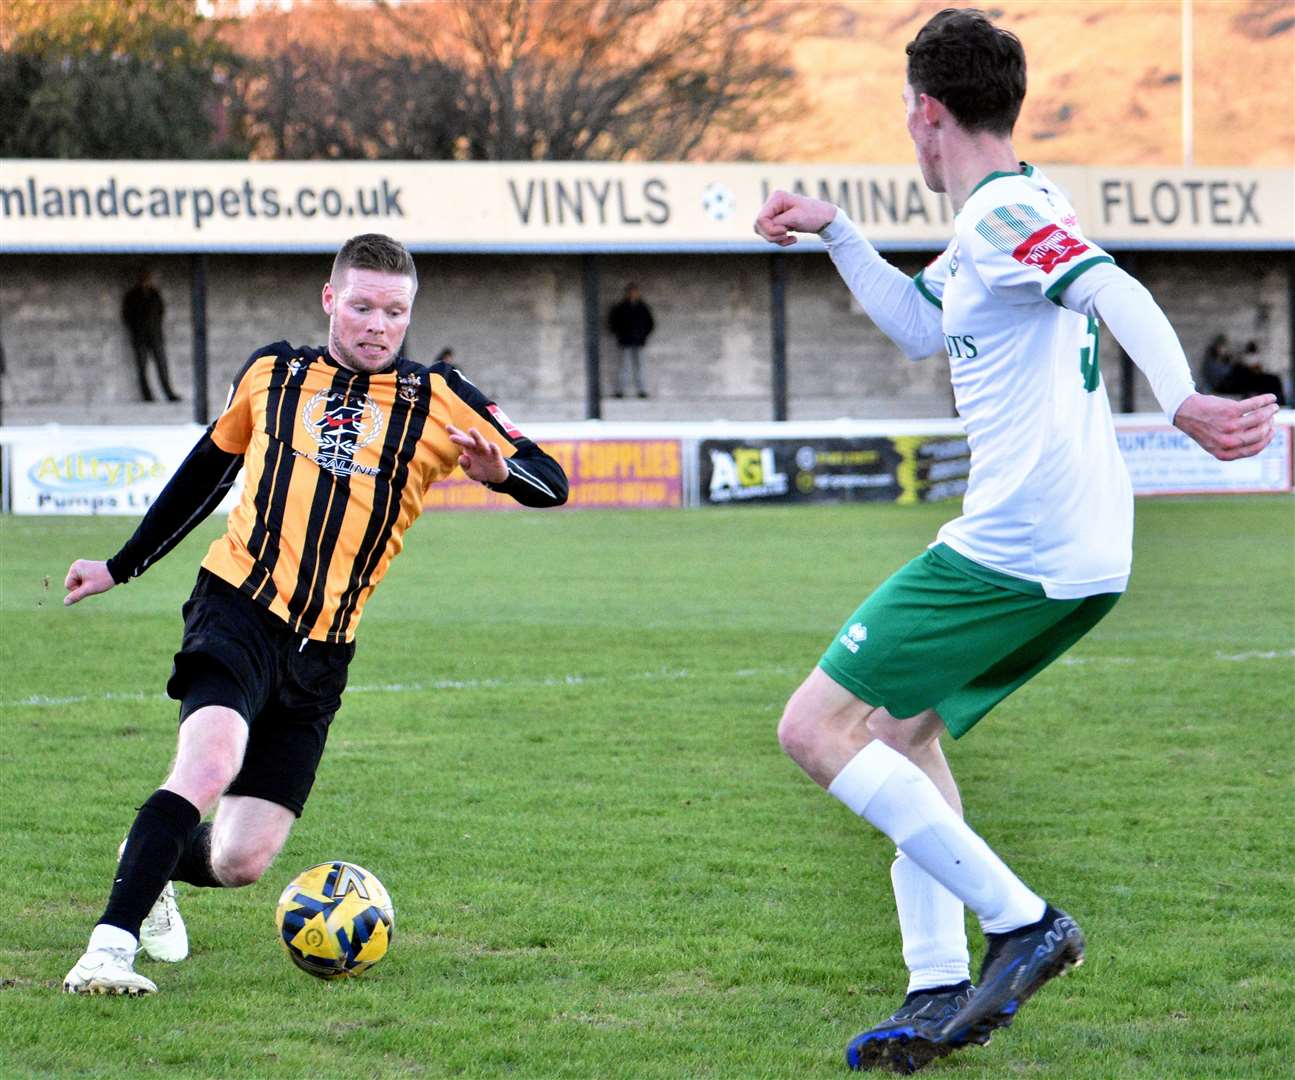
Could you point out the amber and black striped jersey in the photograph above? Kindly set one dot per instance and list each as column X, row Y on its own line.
column 337, row 463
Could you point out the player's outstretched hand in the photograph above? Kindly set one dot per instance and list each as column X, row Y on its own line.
column 784, row 214
column 481, row 459
column 1225, row 428
column 85, row 577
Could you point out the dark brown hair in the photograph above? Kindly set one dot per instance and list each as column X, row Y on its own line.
column 374, row 251
column 973, row 68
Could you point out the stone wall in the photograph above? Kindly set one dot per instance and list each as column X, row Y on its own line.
column 516, row 324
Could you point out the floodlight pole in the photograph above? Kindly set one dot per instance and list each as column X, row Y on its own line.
column 198, row 311
column 1188, row 148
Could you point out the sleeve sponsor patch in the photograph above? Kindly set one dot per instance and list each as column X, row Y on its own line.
column 501, row 418
column 1048, row 247
column 1029, row 237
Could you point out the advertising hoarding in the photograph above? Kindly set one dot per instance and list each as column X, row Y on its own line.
column 120, row 470
column 602, row 473
column 897, row 468
column 49, row 205
column 1163, row 461
column 97, row 470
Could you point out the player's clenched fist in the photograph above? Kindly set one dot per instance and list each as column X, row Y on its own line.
column 784, row 214
column 85, row 577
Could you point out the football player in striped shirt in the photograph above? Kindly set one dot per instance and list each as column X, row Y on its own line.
column 1043, row 547
column 338, row 445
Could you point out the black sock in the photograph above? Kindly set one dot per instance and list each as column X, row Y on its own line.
column 194, row 867
column 153, row 848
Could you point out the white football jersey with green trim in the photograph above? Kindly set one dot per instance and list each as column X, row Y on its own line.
column 1048, row 498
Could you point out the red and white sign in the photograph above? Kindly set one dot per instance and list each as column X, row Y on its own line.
column 1048, row 247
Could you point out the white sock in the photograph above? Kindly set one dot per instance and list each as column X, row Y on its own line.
column 933, row 927
column 104, row 936
column 885, row 788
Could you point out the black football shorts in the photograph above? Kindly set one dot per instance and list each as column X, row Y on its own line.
column 238, row 654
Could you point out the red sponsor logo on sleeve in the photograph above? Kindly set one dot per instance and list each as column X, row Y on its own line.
column 1048, row 247
column 501, row 418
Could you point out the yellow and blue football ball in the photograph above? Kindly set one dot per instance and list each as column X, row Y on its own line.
column 335, row 920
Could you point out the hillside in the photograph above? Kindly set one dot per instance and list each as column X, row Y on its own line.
column 1105, row 81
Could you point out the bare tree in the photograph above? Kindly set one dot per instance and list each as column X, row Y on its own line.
column 457, row 80
column 574, row 80
column 323, row 81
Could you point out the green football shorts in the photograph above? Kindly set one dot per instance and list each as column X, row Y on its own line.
column 948, row 634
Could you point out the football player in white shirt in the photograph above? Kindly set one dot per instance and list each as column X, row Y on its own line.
column 1040, row 553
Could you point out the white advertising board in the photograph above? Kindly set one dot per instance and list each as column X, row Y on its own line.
column 96, row 470
column 1163, row 461
column 580, row 206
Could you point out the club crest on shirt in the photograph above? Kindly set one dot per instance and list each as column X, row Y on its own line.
column 407, row 387
column 1048, row 247
column 341, row 424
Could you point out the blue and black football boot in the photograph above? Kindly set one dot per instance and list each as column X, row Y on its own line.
column 1016, row 965
column 911, row 1038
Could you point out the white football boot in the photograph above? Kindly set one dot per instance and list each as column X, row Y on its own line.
column 107, row 971
column 162, row 935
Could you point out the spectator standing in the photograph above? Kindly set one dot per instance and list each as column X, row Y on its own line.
column 142, row 309
column 631, row 323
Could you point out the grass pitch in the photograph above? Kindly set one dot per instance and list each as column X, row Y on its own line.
column 558, row 753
